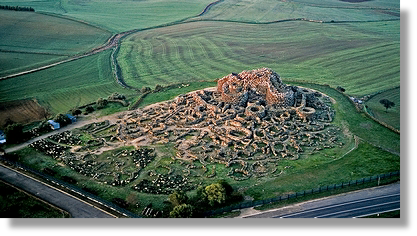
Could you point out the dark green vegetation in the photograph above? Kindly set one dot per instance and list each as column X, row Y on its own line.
column 391, row 214
column 377, row 110
column 16, row 8
column 17, row 204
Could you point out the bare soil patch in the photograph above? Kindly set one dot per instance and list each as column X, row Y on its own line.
column 21, row 111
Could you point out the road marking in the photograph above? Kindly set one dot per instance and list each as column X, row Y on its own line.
column 397, row 209
column 340, row 204
column 381, row 204
column 58, row 190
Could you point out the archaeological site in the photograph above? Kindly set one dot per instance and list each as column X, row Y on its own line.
column 248, row 123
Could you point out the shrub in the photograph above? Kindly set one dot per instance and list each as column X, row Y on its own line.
column 177, row 198
column 145, row 89
column 76, row 112
column 158, row 88
column 182, row 211
column 49, row 171
column 62, row 119
column 69, row 180
column 216, row 194
column 341, row 89
column 120, row 202
column 101, row 103
column 89, row 109
column 117, row 96
column 44, row 127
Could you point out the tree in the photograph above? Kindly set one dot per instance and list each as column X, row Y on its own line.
column 182, row 211
column 101, row 103
column 62, row 119
column 387, row 104
column 89, row 109
column 178, row 198
column 216, row 194
column 44, row 127
column 117, row 96
column 76, row 112
column 14, row 133
column 158, row 88
column 340, row 89
column 145, row 89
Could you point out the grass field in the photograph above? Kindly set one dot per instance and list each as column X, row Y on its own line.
column 361, row 57
column 65, row 86
column 14, row 62
column 119, row 15
column 392, row 116
column 38, row 33
column 17, row 204
column 29, row 40
column 271, row 10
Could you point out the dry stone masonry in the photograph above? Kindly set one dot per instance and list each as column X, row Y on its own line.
column 249, row 123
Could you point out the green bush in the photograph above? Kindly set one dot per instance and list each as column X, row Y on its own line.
column 182, row 211
column 177, row 198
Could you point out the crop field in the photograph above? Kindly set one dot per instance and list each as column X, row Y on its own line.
column 271, row 10
column 392, row 115
column 39, row 33
column 65, row 86
column 29, row 40
column 349, row 55
column 14, row 62
column 116, row 15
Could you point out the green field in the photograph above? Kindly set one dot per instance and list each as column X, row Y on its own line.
column 361, row 57
column 65, row 86
column 37, row 33
column 29, row 40
column 392, row 115
column 119, row 15
column 14, row 62
column 272, row 10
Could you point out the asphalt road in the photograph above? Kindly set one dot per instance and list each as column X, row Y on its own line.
column 351, row 209
column 349, row 205
column 76, row 207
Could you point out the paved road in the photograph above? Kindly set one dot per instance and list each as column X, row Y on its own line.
column 76, row 207
column 349, row 205
column 351, row 209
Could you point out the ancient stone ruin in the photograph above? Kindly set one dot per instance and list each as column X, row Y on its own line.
column 249, row 123
column 248, row 119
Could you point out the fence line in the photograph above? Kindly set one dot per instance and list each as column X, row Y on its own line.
column 74, row 189
column 302, row 193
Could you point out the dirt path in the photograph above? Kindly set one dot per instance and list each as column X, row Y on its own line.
column 80, row 123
